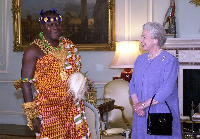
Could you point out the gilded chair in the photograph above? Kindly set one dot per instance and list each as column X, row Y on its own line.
column 119, row 91
column 96, row 126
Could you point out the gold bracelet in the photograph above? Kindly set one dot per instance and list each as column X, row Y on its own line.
column 17, row 84
column 30, row 109
column 143, row 105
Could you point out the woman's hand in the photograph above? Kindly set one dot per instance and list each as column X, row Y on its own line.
column 140, row 113
column 37, row 124
column 138, row 106
column 139, row 109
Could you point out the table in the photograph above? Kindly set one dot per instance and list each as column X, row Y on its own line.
column 104, row 105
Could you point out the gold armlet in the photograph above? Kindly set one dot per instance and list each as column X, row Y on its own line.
column 30, row 109
column 17, row 83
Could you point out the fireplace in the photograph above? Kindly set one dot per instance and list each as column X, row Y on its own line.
column 187, row 51
column 186, row 92
column 191, row 90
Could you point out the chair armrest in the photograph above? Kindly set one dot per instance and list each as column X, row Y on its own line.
column 123, row 115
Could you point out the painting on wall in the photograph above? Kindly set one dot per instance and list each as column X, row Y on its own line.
column 90, row 24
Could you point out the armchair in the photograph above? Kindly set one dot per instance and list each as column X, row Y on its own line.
column 119, row 91
column 96, row 126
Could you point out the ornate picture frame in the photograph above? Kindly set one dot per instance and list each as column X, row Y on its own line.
column 196, row 2
column 98, row 42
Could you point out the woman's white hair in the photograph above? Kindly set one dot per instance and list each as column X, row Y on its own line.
column 157, row 32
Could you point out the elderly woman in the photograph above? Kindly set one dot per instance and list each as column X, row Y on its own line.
column 155, row 73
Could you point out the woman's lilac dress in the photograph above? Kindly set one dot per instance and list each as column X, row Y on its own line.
column 156, row 76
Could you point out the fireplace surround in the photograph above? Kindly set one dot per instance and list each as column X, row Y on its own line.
column 187, row 51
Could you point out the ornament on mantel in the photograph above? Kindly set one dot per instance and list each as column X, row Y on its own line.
column 196, row 2
column 169, row 22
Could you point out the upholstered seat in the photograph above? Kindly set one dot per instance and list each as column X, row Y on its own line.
column 119, row 91
column 95, row 125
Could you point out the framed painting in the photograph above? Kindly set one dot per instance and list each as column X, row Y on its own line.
column 90, row 24
column 196, row 2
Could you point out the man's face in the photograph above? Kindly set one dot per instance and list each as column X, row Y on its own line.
column 52, row 30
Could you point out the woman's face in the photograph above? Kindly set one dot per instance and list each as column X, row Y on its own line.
column 146, row 41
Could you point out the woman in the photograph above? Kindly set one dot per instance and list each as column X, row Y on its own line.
column 156, row 73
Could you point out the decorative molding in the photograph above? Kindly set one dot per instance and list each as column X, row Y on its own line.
column 187, row 50
column 128, row 15
column 13, row 117
column 14, row 113
column 6, row 81
column 182, row 43
column 4, row 38
column 190, row 56
column 128, row 19
column 101, row 84
column 149, row 10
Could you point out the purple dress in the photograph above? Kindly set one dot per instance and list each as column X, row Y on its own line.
column 156, row 76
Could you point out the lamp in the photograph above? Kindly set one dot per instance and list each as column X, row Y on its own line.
column 125, row 56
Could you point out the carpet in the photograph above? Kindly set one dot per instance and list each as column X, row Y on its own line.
column 14, row 137
column 11, row 131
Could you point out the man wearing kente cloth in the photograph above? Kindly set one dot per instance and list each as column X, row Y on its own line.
column 52, row 111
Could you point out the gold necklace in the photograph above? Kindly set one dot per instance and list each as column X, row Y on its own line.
column 159, row 51
column 59, row 53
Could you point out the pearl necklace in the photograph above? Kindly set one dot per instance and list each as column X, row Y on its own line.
column 159, row 51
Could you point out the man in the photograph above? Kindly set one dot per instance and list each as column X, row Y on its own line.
column 48, row 62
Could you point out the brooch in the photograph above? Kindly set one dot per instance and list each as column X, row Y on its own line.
column 163, row 58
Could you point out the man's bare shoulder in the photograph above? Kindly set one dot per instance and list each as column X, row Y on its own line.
column 34, row 51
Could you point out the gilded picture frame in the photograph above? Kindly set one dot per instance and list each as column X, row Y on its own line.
column 95, row 43
column 196, row 2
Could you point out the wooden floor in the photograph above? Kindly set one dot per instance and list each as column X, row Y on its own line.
column 11, row 131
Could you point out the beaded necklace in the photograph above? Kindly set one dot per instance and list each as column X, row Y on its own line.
column 48, row 46
column 59, row 53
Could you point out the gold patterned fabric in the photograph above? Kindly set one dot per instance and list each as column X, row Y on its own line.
column 54, row 101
